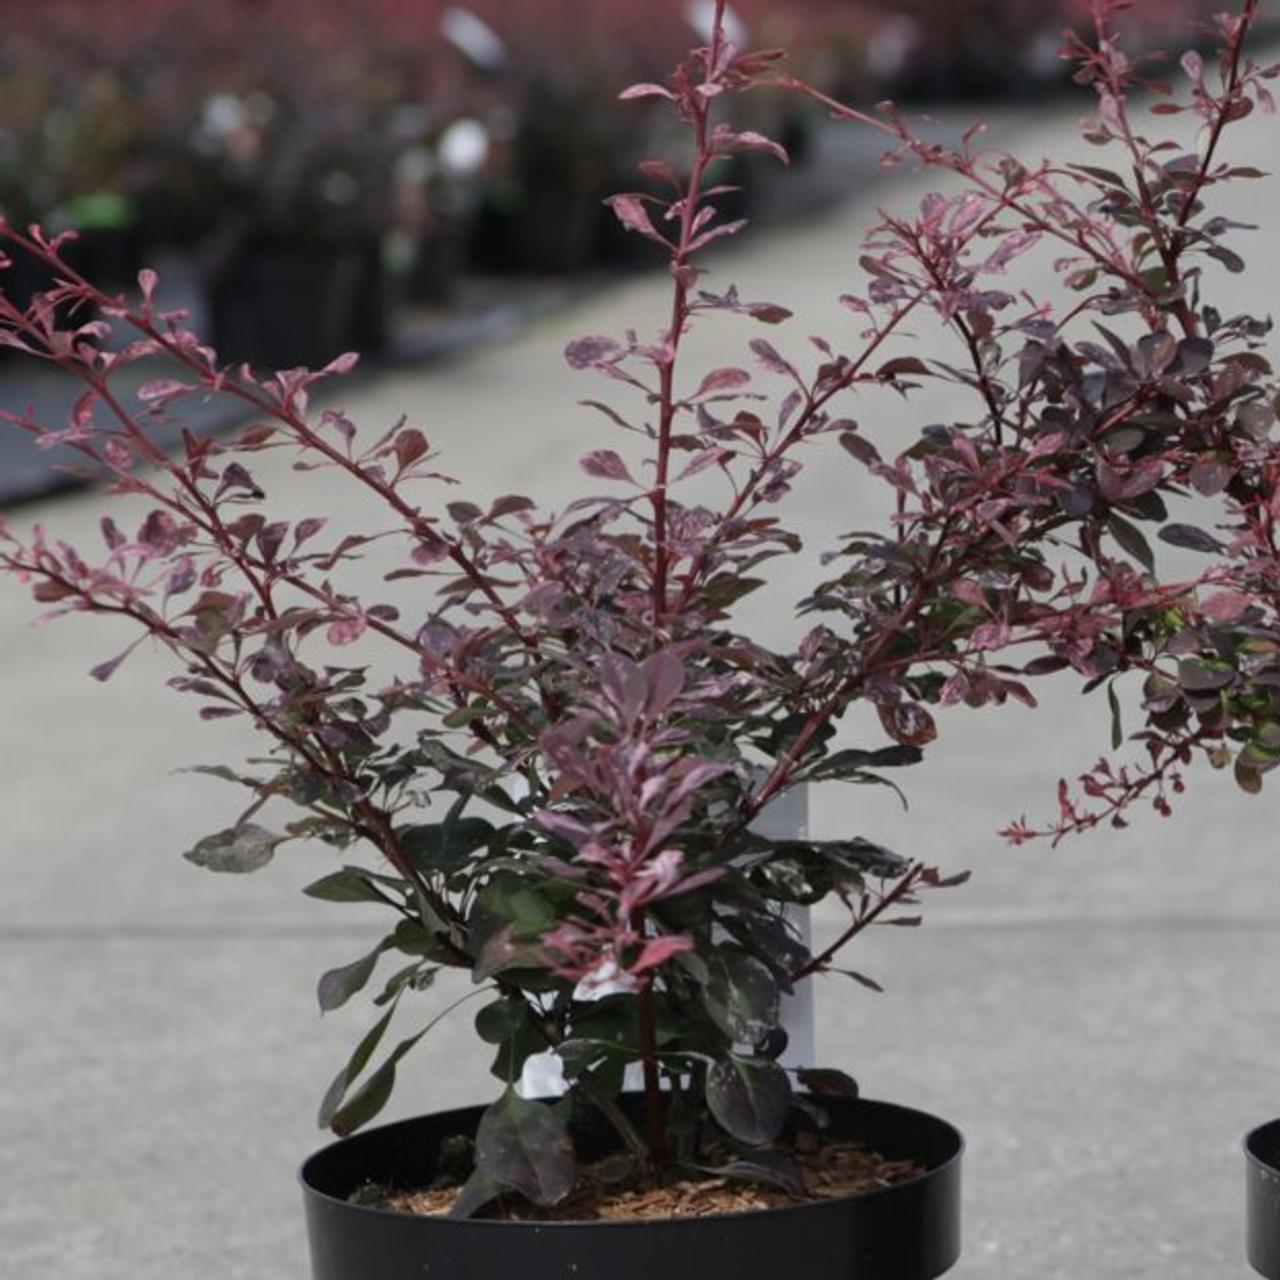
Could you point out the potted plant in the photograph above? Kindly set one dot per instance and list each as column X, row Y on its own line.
column 554, row 740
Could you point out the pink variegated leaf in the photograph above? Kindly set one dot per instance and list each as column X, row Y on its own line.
column 703, row 459
column 631, row 213
column 723, row 380
column 717, row 233
column 342, row 364
column 147, row 281
column 658, row 951
column 698, row 880
column 635, row 91
column 1226, row 606
column 606, row 464
column 181, row 577
column 726, row 141
column 348, row 630
column 583, row 353
column 771, row 359
column 569, row 829
column 624, row 684
column 161, row 391
column 665, row 675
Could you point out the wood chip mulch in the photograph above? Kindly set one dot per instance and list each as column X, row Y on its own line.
column 831, row 1171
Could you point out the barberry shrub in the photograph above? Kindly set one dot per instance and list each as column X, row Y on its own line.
column 555, row 742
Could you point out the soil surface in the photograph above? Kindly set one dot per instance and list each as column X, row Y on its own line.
column 831, row 1171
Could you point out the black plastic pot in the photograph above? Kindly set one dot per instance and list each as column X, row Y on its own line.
column 279, row 307
column 1262, row 1151
column 910, row 1231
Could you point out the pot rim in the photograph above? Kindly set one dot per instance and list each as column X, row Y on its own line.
column 947, row 1166
column 1269, row 1129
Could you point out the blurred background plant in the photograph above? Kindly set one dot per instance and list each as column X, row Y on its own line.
column 314, row 167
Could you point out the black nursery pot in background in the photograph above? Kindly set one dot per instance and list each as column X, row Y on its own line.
column 1262, row 1152
column 278, row 307
column 909, row 1231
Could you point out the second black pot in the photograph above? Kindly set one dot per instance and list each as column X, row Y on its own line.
column 278, row 308
column 909, row 1231
column 1262, row 1151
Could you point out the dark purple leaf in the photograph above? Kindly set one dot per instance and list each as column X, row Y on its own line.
column 750, row 1098
column 1188, row 536
column 307, row 529
column 861, row 448
column 463, row 513
column 111, row 535
column 772, row 1168
column 827, row 1083
column 509, row 504
column 237, row 850
column 105, row 670
column 1228, row 257
column 337, row 986
column 900, row 365
column 770, row 358
column 741, row 995
column 1132, row 540
column 1194, row 356
column 1205, row 675
column 525, row 1145
column 768, row 312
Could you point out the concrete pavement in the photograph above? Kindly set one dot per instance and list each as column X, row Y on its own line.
column 1102, row 1020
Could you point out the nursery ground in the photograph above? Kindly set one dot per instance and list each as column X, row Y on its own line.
column 1100, row 1019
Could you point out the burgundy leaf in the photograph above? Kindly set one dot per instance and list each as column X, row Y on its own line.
column 159, row 533
column 410, row 445
column 768, row 312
